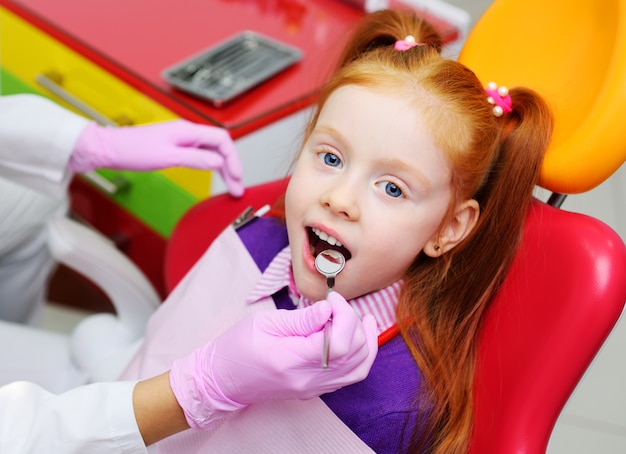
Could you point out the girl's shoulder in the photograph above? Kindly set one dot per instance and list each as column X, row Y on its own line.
column 264, row 238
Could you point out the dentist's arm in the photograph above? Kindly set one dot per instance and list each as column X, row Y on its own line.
column 42, row 144
column 37, row 137
column 95, row 418
column 227, row 374
column 157, row 411
column 176, row 143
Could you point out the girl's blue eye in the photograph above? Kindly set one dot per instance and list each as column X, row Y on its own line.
column 330, row 159
column 392, row 189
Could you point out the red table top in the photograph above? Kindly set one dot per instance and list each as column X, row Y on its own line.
column 136, row 40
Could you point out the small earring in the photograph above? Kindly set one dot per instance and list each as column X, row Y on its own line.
column 437, row 247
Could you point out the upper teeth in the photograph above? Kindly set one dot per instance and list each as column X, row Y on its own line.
column 326, row 237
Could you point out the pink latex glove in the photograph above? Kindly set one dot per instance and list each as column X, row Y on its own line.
column 274, row 355
column 158, row 146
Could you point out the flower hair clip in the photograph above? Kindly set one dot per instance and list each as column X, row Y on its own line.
column 406, row 43
column 499, row 96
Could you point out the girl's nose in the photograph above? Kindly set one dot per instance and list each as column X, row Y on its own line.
column 342, row 200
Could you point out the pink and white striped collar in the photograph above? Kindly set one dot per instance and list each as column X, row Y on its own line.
column 278, row 275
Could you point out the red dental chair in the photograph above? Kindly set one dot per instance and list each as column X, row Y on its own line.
column 563, row 295
column 567, row 287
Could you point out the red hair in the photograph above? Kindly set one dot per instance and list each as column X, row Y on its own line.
column 495, row 161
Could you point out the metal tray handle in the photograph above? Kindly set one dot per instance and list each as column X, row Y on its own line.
column 52, row 82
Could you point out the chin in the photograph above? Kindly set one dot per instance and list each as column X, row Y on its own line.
column 313, row 288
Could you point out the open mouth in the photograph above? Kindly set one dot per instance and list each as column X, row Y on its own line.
column 320, row 241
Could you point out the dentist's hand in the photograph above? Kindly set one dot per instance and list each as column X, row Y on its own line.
column 274, row 355
column 158, row 146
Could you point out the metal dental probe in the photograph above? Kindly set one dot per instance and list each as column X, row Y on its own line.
column 329, row 263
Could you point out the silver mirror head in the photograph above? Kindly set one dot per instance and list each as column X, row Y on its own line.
column 330, row 262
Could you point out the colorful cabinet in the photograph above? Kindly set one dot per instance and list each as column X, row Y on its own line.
column 69, row 78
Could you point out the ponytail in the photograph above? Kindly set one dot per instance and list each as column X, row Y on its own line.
column 444, row 300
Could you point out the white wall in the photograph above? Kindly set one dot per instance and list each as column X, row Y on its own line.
column 606, row 202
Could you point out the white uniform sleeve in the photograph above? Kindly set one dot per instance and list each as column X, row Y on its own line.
column 96, row 418
column 37, row 137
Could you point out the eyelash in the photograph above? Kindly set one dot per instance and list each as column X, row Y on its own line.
column 324, row 155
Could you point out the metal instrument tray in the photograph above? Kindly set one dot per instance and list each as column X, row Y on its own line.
column 223, row 72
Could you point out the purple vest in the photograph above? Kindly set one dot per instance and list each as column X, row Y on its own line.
column 382, row 409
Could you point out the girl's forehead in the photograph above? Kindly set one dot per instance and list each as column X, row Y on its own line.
column 382, row 124
column 382, row 108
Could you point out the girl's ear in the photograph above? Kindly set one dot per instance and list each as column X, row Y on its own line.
column 455, row 230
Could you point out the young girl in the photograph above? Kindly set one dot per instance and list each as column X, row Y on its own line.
column 422, row 179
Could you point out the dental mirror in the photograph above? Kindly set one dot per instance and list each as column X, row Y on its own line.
column 329, row 263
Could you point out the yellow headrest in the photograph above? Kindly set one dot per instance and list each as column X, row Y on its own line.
column 574, row 54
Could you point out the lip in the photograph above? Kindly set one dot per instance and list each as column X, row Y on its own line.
column 330, row 232
column 307, row 256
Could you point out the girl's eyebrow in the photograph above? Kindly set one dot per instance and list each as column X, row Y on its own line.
column 404, row 167
column 329, row 130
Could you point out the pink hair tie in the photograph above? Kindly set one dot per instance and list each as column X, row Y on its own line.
column 500, row 97
column 406, row 43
